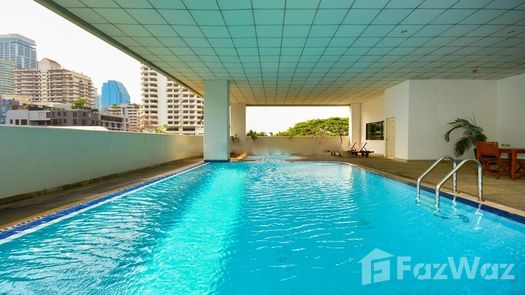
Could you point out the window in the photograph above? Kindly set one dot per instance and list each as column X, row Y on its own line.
column 374, row 131
column 24, row 122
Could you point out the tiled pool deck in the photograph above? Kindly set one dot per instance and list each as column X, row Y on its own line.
column 503, row 191
column 510, row 194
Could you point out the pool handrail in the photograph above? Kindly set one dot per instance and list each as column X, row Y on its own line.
column 454, row 178
column 453, row 172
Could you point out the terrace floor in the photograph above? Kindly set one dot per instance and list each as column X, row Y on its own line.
column 503, row 191
column 30, row 207
column 510, row 194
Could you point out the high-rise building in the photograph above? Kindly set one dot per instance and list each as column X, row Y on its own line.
column 19, row 49
column 51, row 83
column 7, row 68
column 167, row 103
column 114, row 92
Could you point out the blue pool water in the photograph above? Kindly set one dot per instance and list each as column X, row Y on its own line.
column 266, row 228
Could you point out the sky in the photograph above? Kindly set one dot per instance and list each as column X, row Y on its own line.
column 77, row 50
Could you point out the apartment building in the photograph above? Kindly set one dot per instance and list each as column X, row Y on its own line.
column 130, row 113
column 28, row 82
column 52, row 83
column 167, row 103
column 41, row 116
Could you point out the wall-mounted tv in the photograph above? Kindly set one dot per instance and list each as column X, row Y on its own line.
column 375, row 130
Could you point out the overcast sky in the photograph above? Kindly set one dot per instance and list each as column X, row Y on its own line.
column 77, row 50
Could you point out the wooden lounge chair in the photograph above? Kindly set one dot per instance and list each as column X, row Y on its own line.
column 352, row 149
column 489, row 156
column 363, row 151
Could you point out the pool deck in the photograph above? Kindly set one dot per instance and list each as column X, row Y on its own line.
column 19, row 211
column 503, row 194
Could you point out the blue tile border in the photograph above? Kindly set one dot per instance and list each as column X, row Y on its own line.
column 43, row 219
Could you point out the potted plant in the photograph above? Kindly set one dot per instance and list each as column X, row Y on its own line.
column 472, row 133
column 235, row 138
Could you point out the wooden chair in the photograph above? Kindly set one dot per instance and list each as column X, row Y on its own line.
column 488, row 154
column 521, row 168
column 363, row 151
column 352, row 149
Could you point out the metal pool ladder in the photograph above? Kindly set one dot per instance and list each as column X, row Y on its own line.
column 453, row 174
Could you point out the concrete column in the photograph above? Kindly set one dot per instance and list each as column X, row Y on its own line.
column 238, row 120
column 354, row 125
column 216, row 120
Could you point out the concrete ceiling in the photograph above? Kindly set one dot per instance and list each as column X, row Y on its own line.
column 310, row 52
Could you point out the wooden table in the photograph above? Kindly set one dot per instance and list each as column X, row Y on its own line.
column 513, row 158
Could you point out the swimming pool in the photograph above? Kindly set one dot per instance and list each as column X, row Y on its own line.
column 268, row 228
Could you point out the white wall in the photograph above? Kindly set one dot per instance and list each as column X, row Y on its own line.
column 216, row 120
column 422, row 109
column 511, row 111
column 434, row 103
column 299, row 145
column 33, row 159
column 238, row 120
column 373, row 111
column 354, row 124
column 397, row 106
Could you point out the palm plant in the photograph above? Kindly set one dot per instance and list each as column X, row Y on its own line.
column 472, row 133
column 253, row 135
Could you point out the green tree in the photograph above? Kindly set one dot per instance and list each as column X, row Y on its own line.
column 334, row 126
column 161, row 129
column 80, row 102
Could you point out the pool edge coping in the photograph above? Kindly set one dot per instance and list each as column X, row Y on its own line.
column 27, row 223
column 467, row 199
column 21, row 225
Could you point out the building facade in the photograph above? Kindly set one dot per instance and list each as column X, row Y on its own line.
column 113, row 93
column 130, row 113
column 167, row 103
column 51, row 83
column 19, row 49
column 28, row 82
column 7, row 68
column 39, row 116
